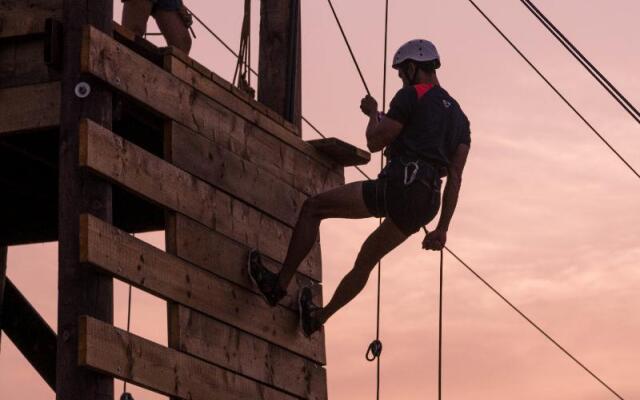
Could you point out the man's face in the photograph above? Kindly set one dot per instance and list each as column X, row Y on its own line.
column 404, row 72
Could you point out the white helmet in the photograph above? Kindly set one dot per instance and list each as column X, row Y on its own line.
column 419, row 50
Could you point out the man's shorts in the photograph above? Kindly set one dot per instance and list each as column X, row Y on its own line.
column 408, row 206
column 166, row 5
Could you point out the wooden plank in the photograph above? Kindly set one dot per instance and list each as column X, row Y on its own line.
column 22, row 18
column 30, row 333
column 226, row 258
column 30, row 107
column 82, row 291
column 342, row 152
column 22, row 63
column 131, row 260
column 235, row 350
column 129, row 72
column 177, row 61
column 129, row 357
column 229, row 172
column 164, row 184
column 226, row 126
column 279, row 82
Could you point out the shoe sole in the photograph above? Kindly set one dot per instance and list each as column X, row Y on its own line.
column 300, row 313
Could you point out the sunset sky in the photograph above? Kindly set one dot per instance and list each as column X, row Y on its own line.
column 546, row 213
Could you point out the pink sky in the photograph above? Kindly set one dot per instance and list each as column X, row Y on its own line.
column 546, row 213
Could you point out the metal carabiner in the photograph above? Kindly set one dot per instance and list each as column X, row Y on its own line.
column 408, row 180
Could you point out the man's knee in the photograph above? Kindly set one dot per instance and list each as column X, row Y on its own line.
column 312, row 208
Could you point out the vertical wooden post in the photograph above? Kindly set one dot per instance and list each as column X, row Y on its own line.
column 81, row 290
column 279, row 83
column 3, row 276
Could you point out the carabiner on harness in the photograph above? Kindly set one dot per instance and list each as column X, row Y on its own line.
column 408, row 179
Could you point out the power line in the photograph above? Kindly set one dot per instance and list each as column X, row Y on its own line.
column 542, row 331
column 544, row 78
column 584, row 61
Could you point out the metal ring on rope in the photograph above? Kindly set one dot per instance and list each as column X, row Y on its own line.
column 374, row 350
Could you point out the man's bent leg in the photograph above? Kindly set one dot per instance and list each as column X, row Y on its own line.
column 384, row 239
column 342, row 202
column 135, row 14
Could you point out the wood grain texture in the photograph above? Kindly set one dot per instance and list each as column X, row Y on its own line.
column 342, row 152
column 32, row 107
column 117, row 253
column 227, row 258
column 233, row 349
column 26, row 17
column 129, row 357
column 132, row 74
column 155, row 179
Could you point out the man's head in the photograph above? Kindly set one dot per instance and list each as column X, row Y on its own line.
column 416, row 61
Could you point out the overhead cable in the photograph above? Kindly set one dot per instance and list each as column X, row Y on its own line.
column 544, row 78
column 584, row 61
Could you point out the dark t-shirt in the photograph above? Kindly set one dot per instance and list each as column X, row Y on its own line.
column 433, row 124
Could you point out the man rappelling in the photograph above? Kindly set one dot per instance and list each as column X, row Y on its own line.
column 427, row 137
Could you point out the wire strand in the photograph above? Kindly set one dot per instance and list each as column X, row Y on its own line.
column 530, row 321
column 584, row 61
column 353, row 57
column 544, row 78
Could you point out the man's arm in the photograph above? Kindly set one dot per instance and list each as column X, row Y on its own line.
column 380, row 133
column 436, row 239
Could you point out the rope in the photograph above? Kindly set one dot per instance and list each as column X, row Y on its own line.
column 544, row 78
column 593, row 71
column 440, row 327
column 516, row 309
column 353, row 57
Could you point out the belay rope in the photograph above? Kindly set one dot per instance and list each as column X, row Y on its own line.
column 374, row 351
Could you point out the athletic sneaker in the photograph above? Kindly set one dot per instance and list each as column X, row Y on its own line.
column 265, row 280
column 308, row 323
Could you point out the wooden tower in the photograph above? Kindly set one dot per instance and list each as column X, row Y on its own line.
column 103, row 135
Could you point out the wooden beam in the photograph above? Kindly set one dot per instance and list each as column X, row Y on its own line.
column 28, row 108
column 208, row 82
column 164, row 184
column 82, row 291
column 279, row 83
column 129, row 72
column 199, row 245
column 342, row 152
column 129, row 357
column 237, row 351
column 229, row 172
column 30, row 333
column 21, row 18
column 132, row 260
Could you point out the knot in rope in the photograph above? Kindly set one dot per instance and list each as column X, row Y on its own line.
column 374, row 350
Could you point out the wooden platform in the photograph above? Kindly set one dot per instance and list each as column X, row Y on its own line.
column 186, row 153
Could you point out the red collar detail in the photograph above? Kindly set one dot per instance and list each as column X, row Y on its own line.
column 422, row 89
